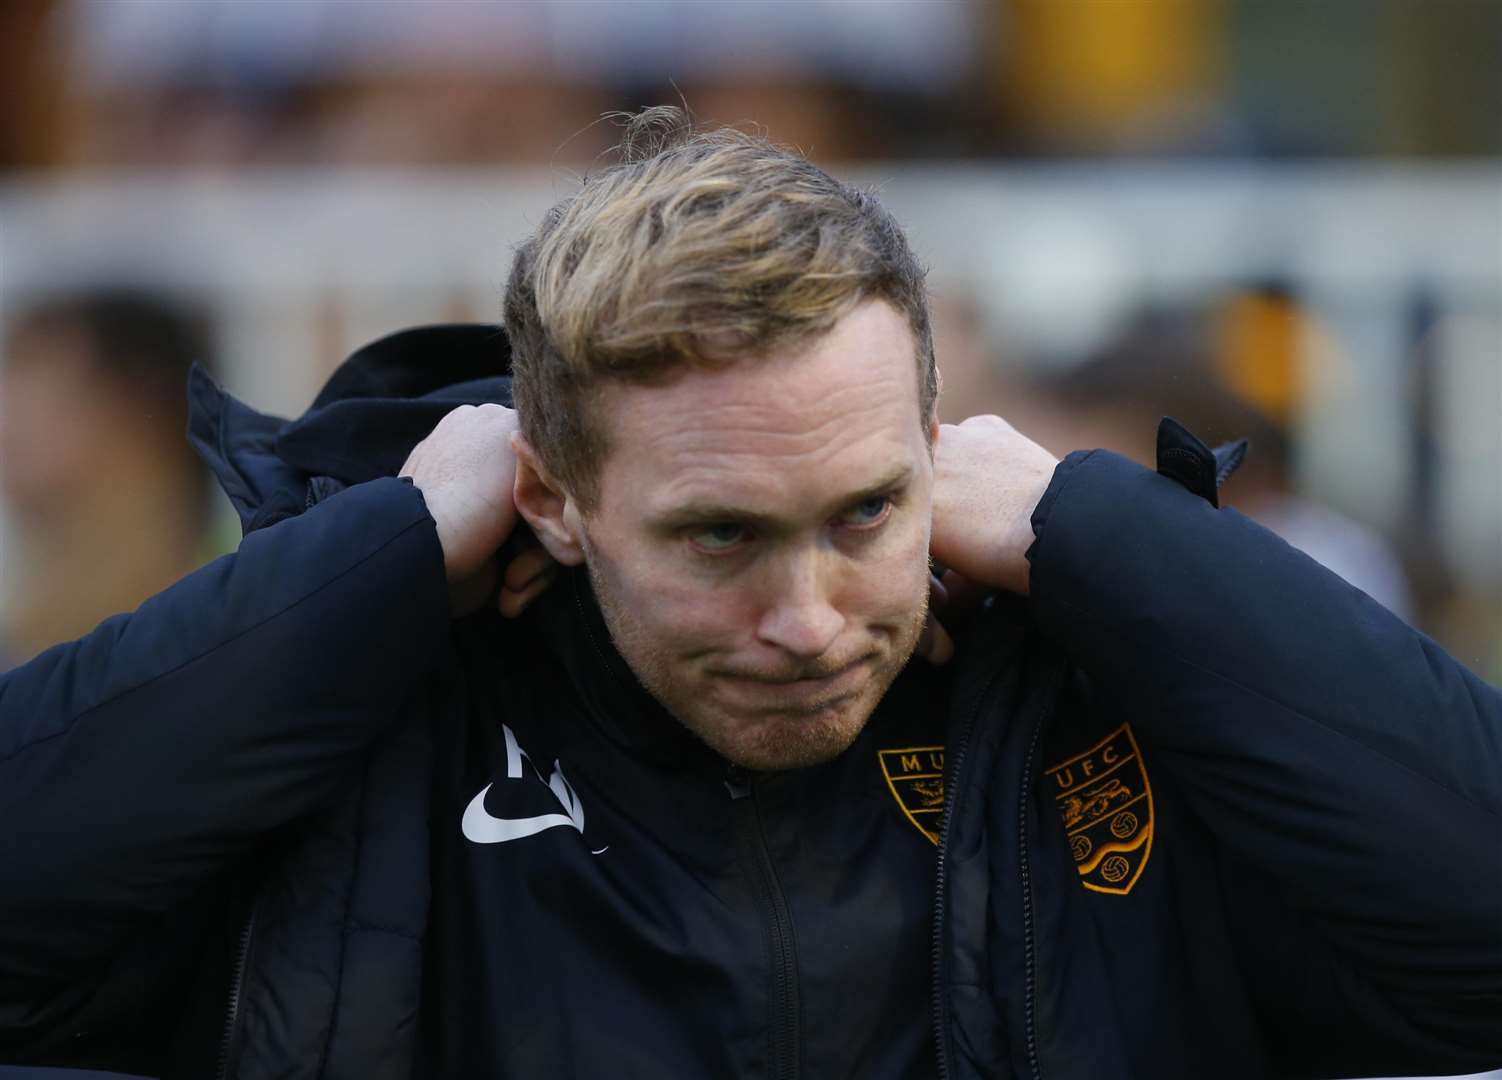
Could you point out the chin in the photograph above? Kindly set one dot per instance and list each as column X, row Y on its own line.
column 786, row 740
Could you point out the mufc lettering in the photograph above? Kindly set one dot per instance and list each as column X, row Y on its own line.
column 915, row 777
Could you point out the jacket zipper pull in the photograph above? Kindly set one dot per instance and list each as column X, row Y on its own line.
column 737, row 782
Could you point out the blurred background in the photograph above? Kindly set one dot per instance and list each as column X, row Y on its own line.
column 1279, row 219
column 1271, row 218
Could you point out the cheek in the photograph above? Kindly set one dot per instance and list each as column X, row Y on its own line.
column 678, row 614
column 896, row 582
column 702, row 618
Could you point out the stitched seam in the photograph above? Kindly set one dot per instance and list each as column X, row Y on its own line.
column 349, row 897
column 1409, row 769
column 1179, row 452
column 76, row 720
column 246, row 492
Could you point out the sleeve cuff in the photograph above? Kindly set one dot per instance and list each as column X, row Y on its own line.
column 1063, row 473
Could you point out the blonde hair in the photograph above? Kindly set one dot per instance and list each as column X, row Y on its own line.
column 697, row 248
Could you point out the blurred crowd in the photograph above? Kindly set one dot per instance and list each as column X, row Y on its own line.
column 103, row 504
column 218, row 84
column 106, row 502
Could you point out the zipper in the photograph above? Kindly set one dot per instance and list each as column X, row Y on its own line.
column 786, row 1040
column 952, row 790
column 1029, row 957
column 237, row 980
column 956, row 763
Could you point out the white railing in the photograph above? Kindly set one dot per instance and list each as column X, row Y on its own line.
column 301, row 266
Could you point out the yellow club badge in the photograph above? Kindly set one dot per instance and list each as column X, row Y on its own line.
column 1106, row 802
column 915, row 776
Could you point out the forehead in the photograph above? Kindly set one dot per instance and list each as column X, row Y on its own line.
column 779, row 435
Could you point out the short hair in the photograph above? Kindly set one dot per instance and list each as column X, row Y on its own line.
column 698, row 248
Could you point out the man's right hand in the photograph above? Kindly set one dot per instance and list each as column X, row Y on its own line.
column 465, row 470
column 988, row 480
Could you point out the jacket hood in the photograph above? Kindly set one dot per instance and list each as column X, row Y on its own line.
column 377, row 405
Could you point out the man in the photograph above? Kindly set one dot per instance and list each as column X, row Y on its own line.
column 1193, row 808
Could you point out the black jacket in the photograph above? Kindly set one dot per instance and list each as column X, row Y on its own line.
column 1201, row 809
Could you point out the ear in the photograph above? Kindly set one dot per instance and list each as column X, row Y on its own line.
column 932, row 422
column 546, row 506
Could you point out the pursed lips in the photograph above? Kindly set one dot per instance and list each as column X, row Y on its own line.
column 801, row 688
column 803, row 675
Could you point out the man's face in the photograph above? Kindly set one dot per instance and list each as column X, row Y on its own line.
column 760, row 546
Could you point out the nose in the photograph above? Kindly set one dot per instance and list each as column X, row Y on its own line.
column 800, row 619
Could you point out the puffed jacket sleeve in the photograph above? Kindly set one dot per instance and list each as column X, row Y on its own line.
column 148, row 755
column 1340, row 754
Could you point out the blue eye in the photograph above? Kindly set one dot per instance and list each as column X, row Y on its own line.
column 719, row 537
column 867, row 511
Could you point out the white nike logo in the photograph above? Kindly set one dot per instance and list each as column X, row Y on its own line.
column 482, row 827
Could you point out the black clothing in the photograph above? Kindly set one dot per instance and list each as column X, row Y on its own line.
column 694, row 902
column 148, row 770
column 1206, row 810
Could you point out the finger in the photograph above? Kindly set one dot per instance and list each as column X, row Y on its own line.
column 964, row 594
column 938, row 595
column 527, row 566
column 513, row 602
column 943, row 645
column 934, row 644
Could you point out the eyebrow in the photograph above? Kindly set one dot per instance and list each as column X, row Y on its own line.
column 717, row 513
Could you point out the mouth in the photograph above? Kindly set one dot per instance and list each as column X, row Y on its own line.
column 800, row 693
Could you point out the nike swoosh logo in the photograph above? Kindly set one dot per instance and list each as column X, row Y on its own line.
column 482, row 827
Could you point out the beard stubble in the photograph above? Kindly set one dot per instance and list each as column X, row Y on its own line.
column 784, row 740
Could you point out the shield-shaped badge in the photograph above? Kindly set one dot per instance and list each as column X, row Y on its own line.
column 1106, row 802
column 915, row 776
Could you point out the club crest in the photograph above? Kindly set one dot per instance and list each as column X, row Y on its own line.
column 915, row 776
column 1106, row 802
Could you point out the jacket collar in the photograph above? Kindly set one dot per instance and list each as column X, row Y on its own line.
column 379, row 404
column 619, row 707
